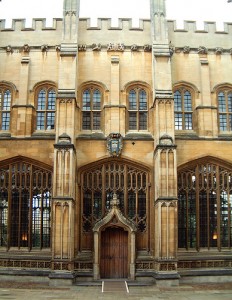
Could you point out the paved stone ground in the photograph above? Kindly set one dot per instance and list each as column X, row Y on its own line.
column 32, row 291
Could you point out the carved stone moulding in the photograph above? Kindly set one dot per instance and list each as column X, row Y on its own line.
column 203, row 50
column 44, row 48
column 116, row 47
column 26, row 48
column 9, row 49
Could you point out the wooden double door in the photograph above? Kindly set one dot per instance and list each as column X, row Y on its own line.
column 114, row 253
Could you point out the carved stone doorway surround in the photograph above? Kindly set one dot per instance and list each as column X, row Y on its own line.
column 114, row 218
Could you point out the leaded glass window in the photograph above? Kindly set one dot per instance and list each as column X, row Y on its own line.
column 204, row 206
column 46, row 109
column 137, row 109
column 100, row 183
column 91, row 109
column 183, row 110
column 225, row 110
column 25, row 205
column 5, row 108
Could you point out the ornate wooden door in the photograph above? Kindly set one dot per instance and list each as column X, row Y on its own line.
column 114, row 253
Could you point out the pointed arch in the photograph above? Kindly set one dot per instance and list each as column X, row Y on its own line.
column 45, row 93
column 204, row 204
column 25, row 211
column 98, row 183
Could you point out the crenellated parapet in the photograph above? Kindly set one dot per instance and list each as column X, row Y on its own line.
column 37, row 24
column 190, row 38
column 99, row 36
column 191, row 26
column 105, row 32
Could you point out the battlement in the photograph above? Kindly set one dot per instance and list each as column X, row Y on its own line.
column 191, row 26
column 37, row 24
column 112, row 24
column 106, row 30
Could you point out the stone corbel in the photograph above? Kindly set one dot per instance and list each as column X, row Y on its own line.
column 134, row 47
column 82, row 47
column 115, row 47
column 186, row 49
column 44, row 48
column 147, row 48
column 96, row 47
column 58, row 48
column 9, row 49
column 202, row 50
column 219, row 50
column 26, row 48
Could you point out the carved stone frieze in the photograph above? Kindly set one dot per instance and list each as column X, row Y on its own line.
column 219, row 50
column 9, row 49
column 116, row 47
column 147, row 48
column 96, row 47
column 26, row 48
column 186, row 49
column 82, row 47
column 58, row 48
column 44, row 48
column 202, row 50
column 134, row 47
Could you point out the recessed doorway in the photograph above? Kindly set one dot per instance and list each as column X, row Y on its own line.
column 114, row 253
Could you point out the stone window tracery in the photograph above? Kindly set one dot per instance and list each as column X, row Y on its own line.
column 100, row 183
column 91, row 109
column 137, row 109
column 25, row 211
column 183, row 109
column 46, row 108
column 205, row 206
column 224, row 98
column 5, row 107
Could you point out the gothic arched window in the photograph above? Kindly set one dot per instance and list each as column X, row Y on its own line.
column 46, row 108
column 183, row 110
column 91, row 109
column 5, row 108
column 225, row 110
column 25, row 210
column 205, row 206
column 137, row 109
column 128, row 182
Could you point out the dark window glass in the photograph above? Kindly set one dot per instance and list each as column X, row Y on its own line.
column 46, row 105
column 225, row 111
column 91, row 110
column 25, row 210
column 112, row 178
column 204, row 194
column 137, row 109
column 5, row 108
column 183, row 110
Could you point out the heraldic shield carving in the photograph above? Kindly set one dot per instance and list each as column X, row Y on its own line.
column 114, row 144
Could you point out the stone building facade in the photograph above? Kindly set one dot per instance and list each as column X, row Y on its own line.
column 115, row 149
